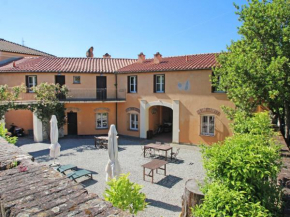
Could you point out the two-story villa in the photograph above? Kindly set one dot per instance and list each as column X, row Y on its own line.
column 171, row 95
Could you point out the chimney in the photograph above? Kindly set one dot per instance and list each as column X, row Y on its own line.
column 186, row 58
column 90, row 52
column 157, row 58
column 106, row 55
column 141, row 58
column 14, row 64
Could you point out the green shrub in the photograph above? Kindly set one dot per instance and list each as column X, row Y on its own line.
column 125, row 195
column 223, row 201
column 258, row 124
column 3, row 134
column 246, row 163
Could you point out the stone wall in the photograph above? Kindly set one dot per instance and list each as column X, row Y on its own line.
column 31, row 189
column 284, row 175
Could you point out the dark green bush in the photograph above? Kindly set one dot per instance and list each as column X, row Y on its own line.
column 247, row 165
column 223, row 201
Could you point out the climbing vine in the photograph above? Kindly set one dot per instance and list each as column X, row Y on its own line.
column 47, row 101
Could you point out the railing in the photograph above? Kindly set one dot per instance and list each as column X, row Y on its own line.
column 95, row 94
column 83, row 94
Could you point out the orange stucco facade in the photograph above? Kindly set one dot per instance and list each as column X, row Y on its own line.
column 20, row 118
column 193, row 101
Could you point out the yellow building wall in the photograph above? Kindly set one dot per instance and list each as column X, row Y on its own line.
column 198, row 96
column 86, row 116
column 86, row 88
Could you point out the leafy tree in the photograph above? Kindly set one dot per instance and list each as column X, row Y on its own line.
column 125, row 195
column 255, row 70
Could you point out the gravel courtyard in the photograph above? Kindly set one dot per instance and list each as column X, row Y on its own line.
column 164, row 195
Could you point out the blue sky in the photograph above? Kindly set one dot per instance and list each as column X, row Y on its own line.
column 122, row 28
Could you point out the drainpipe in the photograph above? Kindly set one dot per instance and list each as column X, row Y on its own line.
column 116, row 85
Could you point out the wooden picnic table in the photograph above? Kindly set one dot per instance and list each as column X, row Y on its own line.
column 164, row 148
column 154, row 165
column 102, row 141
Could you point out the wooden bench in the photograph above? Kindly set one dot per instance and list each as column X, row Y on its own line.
column 154, row 165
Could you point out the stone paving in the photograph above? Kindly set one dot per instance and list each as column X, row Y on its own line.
column 164, row 195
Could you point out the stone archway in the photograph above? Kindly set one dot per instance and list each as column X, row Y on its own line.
column 144, row 117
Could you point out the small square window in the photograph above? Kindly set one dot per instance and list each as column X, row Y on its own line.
column 77, row 79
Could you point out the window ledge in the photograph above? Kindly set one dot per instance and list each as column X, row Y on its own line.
column 103, row 128
column 206, row 135
column 133, row 130
column 76, row 83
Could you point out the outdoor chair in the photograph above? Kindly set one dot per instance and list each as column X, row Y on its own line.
column 148, row 152
column 80, row 173
column 62, row 169
column 174, row 154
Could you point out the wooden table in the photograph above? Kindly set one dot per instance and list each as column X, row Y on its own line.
column 154, row 165
column 103, row 140
column 165, row 148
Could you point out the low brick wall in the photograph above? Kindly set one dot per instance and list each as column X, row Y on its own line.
column 31, row 189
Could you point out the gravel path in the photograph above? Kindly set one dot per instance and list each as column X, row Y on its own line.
column 164, row 195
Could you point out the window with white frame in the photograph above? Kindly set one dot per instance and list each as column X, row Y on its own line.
column 133, row 121
column 31, row 82
column 207, row 125
column 101, row 120
column 133, row 84
column 159, row 84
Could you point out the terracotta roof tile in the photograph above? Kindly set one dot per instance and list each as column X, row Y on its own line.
column 63, row 64
column 17, row 48
column 177, row 63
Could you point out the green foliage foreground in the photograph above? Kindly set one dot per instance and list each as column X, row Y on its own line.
column 4, row 134
column 242, row 171
column 125, row 195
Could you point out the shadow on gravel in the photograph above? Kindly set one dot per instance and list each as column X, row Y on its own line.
column 169, row 181
column 86, row 183
column 163, row 205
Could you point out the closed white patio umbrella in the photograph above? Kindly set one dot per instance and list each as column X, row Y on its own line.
column 55, row 146
column 113, row 168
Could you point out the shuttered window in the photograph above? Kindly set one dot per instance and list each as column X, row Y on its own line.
column 31, row 81
column 132, row 84
column 159, row 83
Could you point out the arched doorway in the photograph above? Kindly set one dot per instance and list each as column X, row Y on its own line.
column 144, row 117
column 160, row 123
